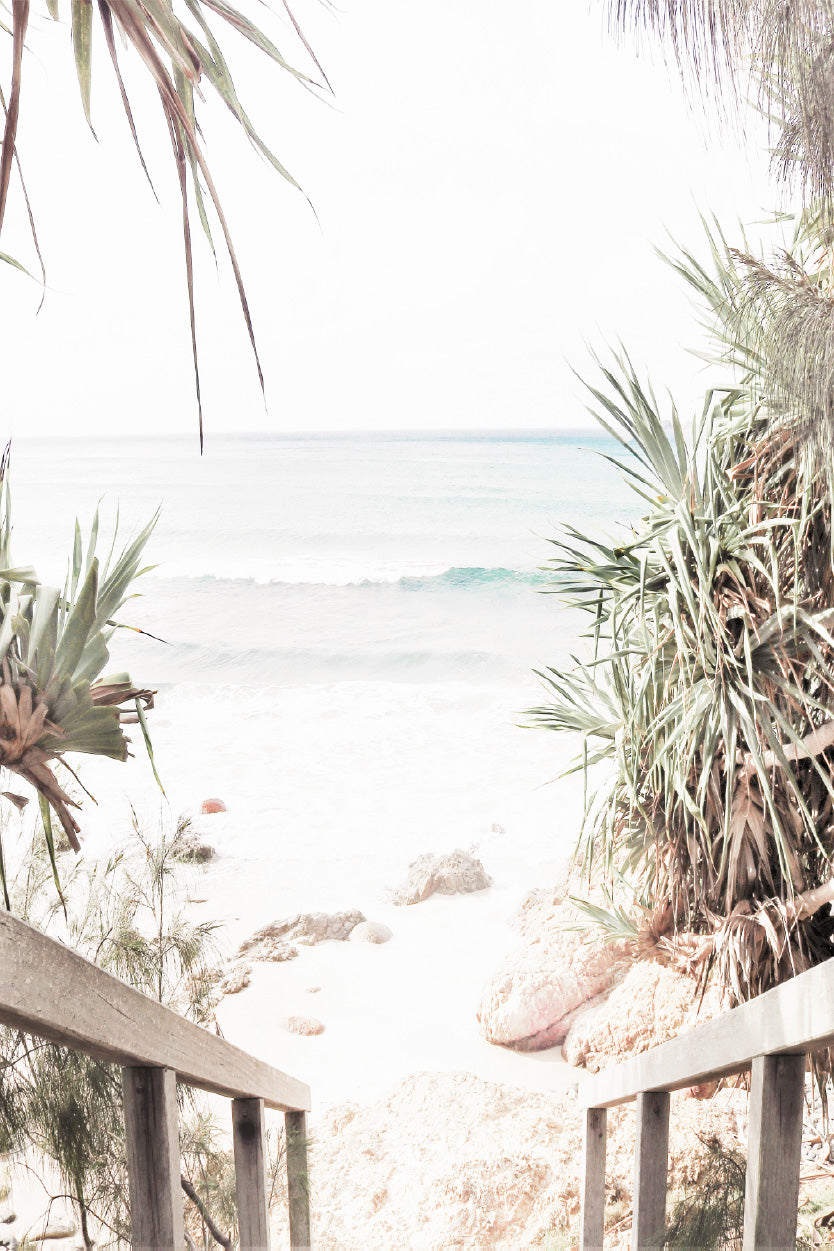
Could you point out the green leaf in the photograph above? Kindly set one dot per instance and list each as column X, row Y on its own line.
column 82, row 43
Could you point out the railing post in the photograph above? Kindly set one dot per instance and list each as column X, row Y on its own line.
column 153, row 1158
column 250, row 1174
column 651, row 1162
column 592, row 1220
column 774, row 1141
column 298, row 1182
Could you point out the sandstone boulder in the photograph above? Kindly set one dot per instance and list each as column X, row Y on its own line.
column 189, row 848
column 649, row 1006
column 209, row 806
column 307, row 1026
column 370, row 932
column 274, row 941
column 235, row 979
column 458, row 873
column 530, row 1002
column 541, row 910
column 448, row 1160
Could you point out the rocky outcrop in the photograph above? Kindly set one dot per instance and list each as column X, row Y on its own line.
column 235, row 979
column 449, row 1160
column 370, row 932
column 530, row 1002
column 458, row 873
column 275, row 941
column 649, row 1006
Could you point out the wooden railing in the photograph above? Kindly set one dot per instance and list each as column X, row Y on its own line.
column 771, row 1036
column 49, row 991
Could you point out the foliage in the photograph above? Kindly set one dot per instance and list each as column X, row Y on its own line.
column 185, row 61
column 209, row 1168
column 709, row 696
column 784, row 52
column 55, row 696
column 713, row 1214
column 782, row 57
column 127, row 916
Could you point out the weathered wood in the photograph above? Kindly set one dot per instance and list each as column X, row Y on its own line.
column 298, row 1181
column 48, row 990
column 797, row 1016
column 774, row 1140
column 250, row 1174
column 592, row 1223
column 153, row 1158
column 651, row 1163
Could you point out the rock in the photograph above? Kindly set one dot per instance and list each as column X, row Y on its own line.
column 7, row 1216
column 209, row 806
column 308, row 1026
column 190, row 849
column 370, row 932
column 651, row 1005
column 273, row 949
column 270, row 942
column 530, row 1002
column 229, row 979
column 235, row 979
column 539, row 911
column 448, row 1160
column 56, row 1231
column 458, row 873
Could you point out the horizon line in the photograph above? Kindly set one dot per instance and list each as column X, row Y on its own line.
column 434, row 432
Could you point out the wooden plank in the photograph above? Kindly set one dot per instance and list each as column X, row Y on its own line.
column 153, row 1158
column 651, row 1164
column 592, row 1220
column 48, row 990
column 250, row 1174
column 298, row 1181
column 774, row 1140
column 797, row 1016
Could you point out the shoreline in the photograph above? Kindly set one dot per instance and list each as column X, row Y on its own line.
column 389, row 1010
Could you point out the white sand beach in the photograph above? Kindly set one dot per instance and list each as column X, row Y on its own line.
column 390, row 1009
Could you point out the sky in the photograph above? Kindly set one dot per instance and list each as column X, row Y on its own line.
column 489, row 183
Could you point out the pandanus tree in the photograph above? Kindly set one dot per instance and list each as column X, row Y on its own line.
column 708, row 702
column 56, row 696
column 706, row 708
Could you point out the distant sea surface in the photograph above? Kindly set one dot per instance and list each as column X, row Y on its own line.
column 351, row 626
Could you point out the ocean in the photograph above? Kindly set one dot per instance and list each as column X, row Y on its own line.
column 351, row 625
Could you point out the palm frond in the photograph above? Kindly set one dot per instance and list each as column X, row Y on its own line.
column 185, row 62
column 780, row 54
column 55, row 695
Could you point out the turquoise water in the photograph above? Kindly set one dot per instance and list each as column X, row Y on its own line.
column 351, row 624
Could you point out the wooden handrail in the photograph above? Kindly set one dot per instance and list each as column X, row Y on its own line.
column 771, row 1036
column 50, row 991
